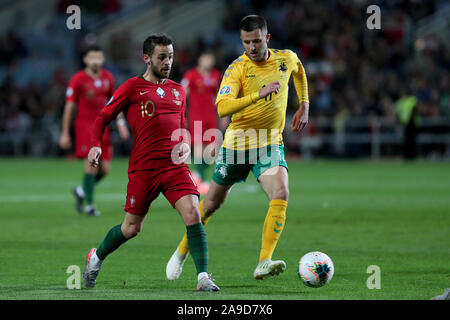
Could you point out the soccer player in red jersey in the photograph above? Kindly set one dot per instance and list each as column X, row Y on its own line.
column 154, row 107
column 201, row 84
column 87, row 93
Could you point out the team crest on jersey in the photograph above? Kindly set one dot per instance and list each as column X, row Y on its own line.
column 225, row 90
column 283, row 67
column 175, row 93
column 160, row 92
column 132, row 201
column 98, row 83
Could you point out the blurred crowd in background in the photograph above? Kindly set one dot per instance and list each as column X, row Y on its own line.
column 352, row 72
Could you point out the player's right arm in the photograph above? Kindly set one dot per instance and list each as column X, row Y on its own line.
column 186, row 83
column 65, row 142
column 118, row 102
column 227, row 100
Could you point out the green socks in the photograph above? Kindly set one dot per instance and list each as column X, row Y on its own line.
column 89, row 181
column 198, row 246
column 112, row 241
column 196, row 235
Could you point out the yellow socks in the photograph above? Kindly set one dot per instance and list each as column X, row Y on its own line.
column 273, row 226
column 183, row 246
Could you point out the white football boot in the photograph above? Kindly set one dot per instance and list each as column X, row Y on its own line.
column 268, row 268
column 206, row 283
column 444, row 296
column 79, row 198
column 93, row 265
column 174, row 267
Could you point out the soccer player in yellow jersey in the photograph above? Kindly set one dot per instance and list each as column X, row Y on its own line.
column 254, row 91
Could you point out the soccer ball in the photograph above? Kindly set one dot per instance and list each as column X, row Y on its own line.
column 315, row 269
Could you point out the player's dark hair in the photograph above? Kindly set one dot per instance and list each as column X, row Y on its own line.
column 253, row 22
column 92, row 47
column 154, row 40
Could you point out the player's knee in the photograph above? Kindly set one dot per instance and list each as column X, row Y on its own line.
column 191, row 215
column 131, row 230
column 281, row 193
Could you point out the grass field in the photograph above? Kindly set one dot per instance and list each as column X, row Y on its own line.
column 389, row 214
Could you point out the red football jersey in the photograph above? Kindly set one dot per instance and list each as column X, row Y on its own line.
column 202, row 93
column 90, row 94
column 154, row 112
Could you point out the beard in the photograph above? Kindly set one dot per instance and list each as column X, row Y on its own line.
column 94, row 68
column 160, row 73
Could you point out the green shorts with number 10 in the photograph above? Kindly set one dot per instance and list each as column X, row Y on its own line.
column 234, row 165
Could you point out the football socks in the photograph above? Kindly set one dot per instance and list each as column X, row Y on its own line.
column 198, row 246
column 273, row 226
column 88, row 187
column 183, row 246
column 112, row 241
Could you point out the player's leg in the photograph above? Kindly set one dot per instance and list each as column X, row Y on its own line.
column 208, row 206
column 116, row 236
column 85, row 191
column 224, row 177
column 141, row 190
column 213, row 200
column 274, row 182
column 187, row 207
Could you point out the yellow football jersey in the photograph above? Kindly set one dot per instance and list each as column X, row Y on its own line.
column 262, row 122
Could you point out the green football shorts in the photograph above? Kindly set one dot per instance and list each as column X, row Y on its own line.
column 234, row 165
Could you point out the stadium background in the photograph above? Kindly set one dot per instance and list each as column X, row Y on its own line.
column 356, row 75
column 390, row 213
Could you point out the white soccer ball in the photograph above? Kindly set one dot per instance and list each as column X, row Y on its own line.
column 315, row 269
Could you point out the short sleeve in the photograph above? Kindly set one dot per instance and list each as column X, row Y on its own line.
column 72, row 90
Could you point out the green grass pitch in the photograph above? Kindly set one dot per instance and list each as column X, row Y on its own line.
column 390, row 214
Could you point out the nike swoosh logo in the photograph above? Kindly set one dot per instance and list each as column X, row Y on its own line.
column 141, row 93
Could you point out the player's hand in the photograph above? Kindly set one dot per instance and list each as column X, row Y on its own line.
column 123, row 132
column 65, row 142
column 300, row 119
column 180, row 153
column 273, row 87
column 94, row 156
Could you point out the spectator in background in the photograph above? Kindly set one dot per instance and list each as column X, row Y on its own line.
column 17, row 124
column 408, row 115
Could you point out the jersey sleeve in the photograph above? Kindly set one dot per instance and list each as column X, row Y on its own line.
column 118, row 102
column 227, row 100
column 299, row 77
column 72, row 90
column 186, row 80
column 231, row 83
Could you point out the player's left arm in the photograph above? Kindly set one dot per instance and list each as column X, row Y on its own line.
column 117, row 103
column 122, row 127
column 183, row 149
column 120, row 120
column 300, row 119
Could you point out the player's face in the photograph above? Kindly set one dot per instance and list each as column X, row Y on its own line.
column 161, row 61
column 255, row 44
column 206, row 61
column 94, row 60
